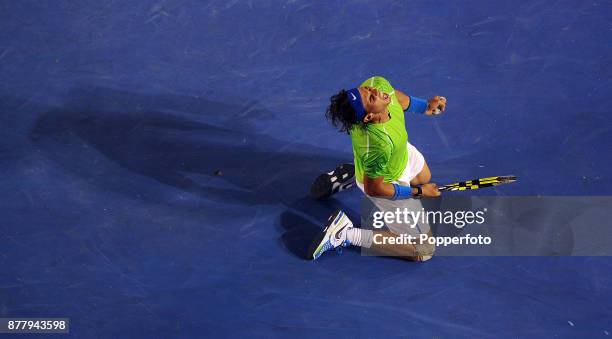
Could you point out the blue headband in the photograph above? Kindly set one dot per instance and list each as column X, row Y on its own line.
column 355, row 99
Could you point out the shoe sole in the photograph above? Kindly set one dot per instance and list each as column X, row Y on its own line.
column 323, row 186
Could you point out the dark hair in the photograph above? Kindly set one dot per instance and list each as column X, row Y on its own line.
column 340, row 112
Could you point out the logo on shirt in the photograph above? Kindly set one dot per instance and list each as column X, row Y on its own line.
column 354, row 97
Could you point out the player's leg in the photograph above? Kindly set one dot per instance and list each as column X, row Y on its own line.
column 400, row 233
column 416, row 171
column 423, row 177
column 340, row 232
column 415, row 252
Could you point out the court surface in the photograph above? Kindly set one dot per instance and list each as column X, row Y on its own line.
column 115, row 117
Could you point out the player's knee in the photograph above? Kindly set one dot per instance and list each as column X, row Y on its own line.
column 423, row 258
column 420, row 180
column 426, row 177
column 425, row 174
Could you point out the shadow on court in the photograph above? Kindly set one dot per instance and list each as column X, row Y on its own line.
column 156, row 148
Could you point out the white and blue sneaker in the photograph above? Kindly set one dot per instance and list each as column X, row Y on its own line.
column 333, row 236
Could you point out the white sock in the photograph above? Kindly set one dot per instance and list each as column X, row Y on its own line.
column 359, row 237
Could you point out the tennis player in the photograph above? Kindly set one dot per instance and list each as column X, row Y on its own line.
column 386, row 164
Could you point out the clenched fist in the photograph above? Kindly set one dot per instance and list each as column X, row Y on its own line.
column 436, row 105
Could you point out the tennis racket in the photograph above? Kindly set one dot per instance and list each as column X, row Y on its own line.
column 477, row 183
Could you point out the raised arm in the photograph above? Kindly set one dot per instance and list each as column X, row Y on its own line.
column 434, row 106
column 403, row 99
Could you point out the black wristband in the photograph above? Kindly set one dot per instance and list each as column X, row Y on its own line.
column 419, row 191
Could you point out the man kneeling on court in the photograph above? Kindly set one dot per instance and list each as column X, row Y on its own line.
column 388, row 169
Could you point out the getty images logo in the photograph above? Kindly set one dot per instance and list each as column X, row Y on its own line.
column 458, row 218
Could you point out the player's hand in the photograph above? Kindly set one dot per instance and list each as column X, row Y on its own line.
column 436, row 105
column 430, row 190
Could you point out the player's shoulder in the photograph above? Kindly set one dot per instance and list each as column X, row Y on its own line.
column 378, row 82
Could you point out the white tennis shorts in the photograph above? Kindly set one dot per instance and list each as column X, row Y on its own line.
column 415, row 164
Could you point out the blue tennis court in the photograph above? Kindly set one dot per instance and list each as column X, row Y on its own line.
column 156, row 159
